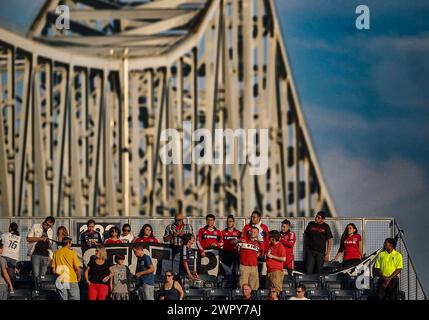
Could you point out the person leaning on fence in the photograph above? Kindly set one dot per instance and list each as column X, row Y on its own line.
column 146, row 235
column 39, row 246
column 229, row 255
column 5, row 283
column 318, row 243
column 66, row 266
column 113, row 236
column 187, row 258
column 209, row 236
column 388, row 265
column 12, row 243
column 97, row 275
column 126, row 235
column 91, row 237
column 174, row 231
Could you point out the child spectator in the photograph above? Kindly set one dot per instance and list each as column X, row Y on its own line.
column 288, row 240
column 120, row 280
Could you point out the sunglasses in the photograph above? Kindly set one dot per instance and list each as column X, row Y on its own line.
column 168, row 275
column 272, row 291
column 299, row 291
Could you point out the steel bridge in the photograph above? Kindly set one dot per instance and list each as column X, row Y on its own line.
column 82, row 110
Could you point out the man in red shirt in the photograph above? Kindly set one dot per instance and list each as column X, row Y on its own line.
column 288, row 240
column 209, row 237
column 276, row 257
column 229, row 256
column 255, row 221
column 250, row 249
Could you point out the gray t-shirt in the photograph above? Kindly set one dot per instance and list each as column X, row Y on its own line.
column 121, row 274
column 3, row 264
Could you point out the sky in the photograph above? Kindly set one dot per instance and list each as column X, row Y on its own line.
column 365, row 95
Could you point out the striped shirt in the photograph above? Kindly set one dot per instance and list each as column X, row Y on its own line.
column 172, row 228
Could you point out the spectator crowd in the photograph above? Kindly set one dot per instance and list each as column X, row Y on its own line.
column 240, row 251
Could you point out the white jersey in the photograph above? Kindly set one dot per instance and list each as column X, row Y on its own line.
column 11, row 245
column 126, row 239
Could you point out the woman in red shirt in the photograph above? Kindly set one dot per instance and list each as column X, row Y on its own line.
column 146, row 235
column 113, row 236
column 350, row 246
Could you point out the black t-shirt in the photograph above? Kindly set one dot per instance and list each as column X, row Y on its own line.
column 316, row 236
column 98, row 272
column 187, row 254
column 86, row 236
column 42, row 248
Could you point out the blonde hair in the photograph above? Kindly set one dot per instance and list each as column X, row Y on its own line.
column 102, row 251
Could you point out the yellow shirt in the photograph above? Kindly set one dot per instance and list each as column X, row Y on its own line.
column 388, row 262
column 64, row 262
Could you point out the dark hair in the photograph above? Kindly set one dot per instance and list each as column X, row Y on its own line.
column 90, row 221
column 302, row 286
column 141, row 233
column 286, row 221
column 126, row 225
column 391, row 241
column 114, row 228
column 118, row 257
column 274, row 234
column 256, row 212
column 230, row 217
column 186, row 237
column 1, row 245
column 345, row 235
column 210, row 216
column 322, row 214
column 138, row 246
column 66, row 241
column 51, row 219
column 254, row 228
column 13, row 227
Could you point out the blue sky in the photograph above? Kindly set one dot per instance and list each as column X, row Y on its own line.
column 365, row 94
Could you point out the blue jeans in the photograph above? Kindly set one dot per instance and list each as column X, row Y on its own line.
column 146, row 292
column 73, row 293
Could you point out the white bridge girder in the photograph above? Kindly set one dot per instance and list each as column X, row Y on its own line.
column 82, row 111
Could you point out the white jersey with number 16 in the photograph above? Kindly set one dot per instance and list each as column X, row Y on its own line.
column 11, row 245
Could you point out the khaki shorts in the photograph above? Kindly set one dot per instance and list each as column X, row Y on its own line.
column 275, row 280
column 250, row 276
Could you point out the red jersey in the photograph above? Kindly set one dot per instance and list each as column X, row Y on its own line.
column 111, row 241
column 263, row 236
column 228, row 238
column 206, row 238
column 145, row 239
column 277, row 250
column 249, row 252
column 351, row 247
column 288, row 240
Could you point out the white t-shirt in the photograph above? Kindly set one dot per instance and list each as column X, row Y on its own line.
column 126, row 239
column 295, row 298
column 11, row 245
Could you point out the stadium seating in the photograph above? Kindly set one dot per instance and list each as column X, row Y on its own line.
column 236, row 294
column 332, row 282
column 46, row 282
column 219, row 294
column 44, row 295
column 367, row 295
column 318, row 294
column 228, row 281
column 24, row 267
column 288, row 282
column 262, row 294
column 343, row 294
column 25, row 281
column 209, row 281
column 287, row 293
column 311, row 281
column 195, row 294
column 20, row 294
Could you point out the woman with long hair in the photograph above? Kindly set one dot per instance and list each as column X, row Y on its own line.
column 350, row 247
column 98, row 274
column 171, row 288
column 11, row 241
column 146, row 235
column 113, row 236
